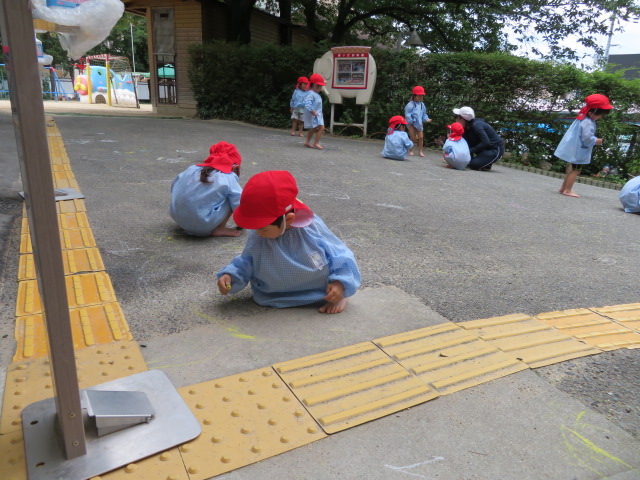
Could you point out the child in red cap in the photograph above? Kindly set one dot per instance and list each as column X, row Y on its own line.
column 297, row 105
column 456, row 149
column 576, row 146
column 204, row 195
column 291, row 258
column 416, row 114
column 397, row 142
column 313, row 119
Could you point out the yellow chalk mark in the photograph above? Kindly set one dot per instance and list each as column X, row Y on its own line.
column 186, row 364
column 233, row 330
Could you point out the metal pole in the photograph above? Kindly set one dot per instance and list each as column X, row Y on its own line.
column 31, row 137
column 133, row 53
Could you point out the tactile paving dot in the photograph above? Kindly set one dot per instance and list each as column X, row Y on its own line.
column 13, row 465
column 245, row 418
column 97, row 324
column 30, row 381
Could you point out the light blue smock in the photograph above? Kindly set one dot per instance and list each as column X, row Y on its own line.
column 456, row 153
column 295, row 268
column 415, row 113
column 312, row 102
column 297, row 100
column 577, row 143
column 630, row 195
column 200, row 207
column 397, row 145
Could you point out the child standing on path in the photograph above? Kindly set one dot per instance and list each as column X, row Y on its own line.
column 291, row 258
column 576, row 146
column 416, row 114
column 297, row 105
column 397, row 142
column 456, row 149
column 204, row 195
column 313, row 119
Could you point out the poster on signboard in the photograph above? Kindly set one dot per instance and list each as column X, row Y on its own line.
column 350, row 70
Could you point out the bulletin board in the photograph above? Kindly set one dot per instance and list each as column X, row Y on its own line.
column 351, row 70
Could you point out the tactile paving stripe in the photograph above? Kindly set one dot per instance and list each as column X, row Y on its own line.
column 13, row 465
column 70, row 206
column 529, row 340
column 30, row 381
column 449, row 358
column 245, row 418
column 349, row 386
column 75, row 261
column 66, row 221
column 83, row 289
column 63, row 178
column 627, row 315
column 95, row 325
column 76, row 238
column 594, row 329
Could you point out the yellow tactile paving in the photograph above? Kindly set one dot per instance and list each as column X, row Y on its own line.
column 94, row 325
column 78, row 260
column 66, row 221
column 82, row 290
column 449, row 358
column 163, row 466
column 30, row 381
column 593, row 328
column 627, row 315
column 245, row 418
column 349, row 386
column 529, row 340
column 71, row 206
column 64, row 179
column 13, row 464
column 69, row 239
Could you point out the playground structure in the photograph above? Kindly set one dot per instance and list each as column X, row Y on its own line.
column 107, row 80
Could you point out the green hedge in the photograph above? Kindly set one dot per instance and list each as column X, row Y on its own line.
column 519, row 97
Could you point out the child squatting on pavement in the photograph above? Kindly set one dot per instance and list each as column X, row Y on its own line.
column 291, row 258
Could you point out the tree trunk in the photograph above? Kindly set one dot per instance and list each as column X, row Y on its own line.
column 285, row 15
column 310, row 8
column 239, row 20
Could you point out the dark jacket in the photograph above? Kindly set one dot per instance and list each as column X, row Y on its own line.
column 481, row 136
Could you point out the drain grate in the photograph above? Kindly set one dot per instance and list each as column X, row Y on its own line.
column 7, row 205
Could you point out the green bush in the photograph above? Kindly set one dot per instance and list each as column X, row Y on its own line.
column 531, row 103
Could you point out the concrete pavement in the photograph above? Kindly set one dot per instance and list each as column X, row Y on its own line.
column 515, row 427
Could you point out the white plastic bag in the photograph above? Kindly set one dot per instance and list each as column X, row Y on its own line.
column 93, row 21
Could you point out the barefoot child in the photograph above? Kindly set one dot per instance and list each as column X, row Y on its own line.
column 456, row 150
column 291, row 258
column 204, row 196
column 576, row 146
column 297, row 105
column 396, row 143
column 416, row 114
column 313, row 119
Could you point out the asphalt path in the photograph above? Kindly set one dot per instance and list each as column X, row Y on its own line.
column 432, row 244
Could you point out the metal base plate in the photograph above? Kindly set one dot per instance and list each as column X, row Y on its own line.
column 173, row 424
column 63, row 194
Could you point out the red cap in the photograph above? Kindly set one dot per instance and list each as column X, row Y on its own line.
column 594, row 101
column 267, row 196
column 222, row 156
column 302, row 80
column 394, row 122
column 418, row 90
column 456, row 131
column 317, row 79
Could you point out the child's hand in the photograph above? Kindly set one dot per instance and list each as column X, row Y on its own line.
column 335, row 292
column 224, row 284
column 428, row 120
column 314, row 113
column 291, row 110
column 598, row 141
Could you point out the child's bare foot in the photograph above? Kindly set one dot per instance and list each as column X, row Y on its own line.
column 333, row 307
column 307, row 145
column 293, row 134
column 447, row 166
column 318, row 146
column 411, row 153
column 301, row 134
column 421, row 154
column 223, row 231
column 571, row 194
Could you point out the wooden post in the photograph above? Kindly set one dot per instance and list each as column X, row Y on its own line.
column 28, row 117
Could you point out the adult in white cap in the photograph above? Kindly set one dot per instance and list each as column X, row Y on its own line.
column 485, row 144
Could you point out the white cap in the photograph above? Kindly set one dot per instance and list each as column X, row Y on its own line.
column 465, row 112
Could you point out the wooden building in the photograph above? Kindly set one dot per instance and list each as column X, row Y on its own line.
column 174, row 25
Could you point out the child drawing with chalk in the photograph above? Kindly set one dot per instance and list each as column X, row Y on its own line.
column 291, row 258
